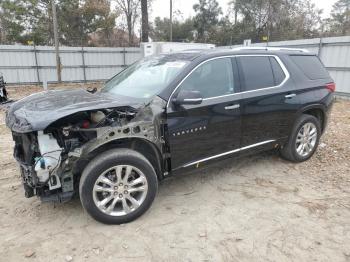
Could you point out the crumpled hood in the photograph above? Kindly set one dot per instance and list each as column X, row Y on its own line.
column 38, row 111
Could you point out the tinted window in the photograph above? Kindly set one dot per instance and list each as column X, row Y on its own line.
column 213, row 78
column 278, row 73
column 311, row 66
column 257, row 72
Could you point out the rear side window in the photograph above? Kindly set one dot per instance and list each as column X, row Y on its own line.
column 278, row 73
column 257, row 72
column 311, row 66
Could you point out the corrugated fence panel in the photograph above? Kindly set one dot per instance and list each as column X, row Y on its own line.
column 28, row 64
column 133, row 55
column 103, row 63
column 47, row 74
column 336, row 56
column 17, row 63
column 16, row 55
column 342, row 80
column 102, row 73
column 333, row 51
column 104, row 56
column 19, row 75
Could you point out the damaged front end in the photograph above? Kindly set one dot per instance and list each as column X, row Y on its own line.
column 40, row 160
column 52, row 155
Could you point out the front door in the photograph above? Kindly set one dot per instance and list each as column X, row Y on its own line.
column 201, row 132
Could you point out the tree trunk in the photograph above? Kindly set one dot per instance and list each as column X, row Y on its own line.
column 236, row 15
column 347, row 21
column 130, row 30
column 144, row 27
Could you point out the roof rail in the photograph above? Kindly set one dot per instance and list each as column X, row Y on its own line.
column 269, row 48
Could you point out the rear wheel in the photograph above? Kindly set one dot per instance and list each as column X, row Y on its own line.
column 118, row 186
column 303, row 140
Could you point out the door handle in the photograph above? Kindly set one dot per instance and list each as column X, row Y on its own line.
column 290, row 95
column 232, row 107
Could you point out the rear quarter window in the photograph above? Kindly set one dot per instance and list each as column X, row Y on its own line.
column 311, row 66
column 278, row 73
column 257, row 72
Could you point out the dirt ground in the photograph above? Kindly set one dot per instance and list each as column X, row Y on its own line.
column 258, row 208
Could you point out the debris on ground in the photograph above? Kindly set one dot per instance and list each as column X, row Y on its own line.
column 29, row 253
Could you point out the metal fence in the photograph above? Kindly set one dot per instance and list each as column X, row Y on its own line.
column 30, row 64
column 333, row 51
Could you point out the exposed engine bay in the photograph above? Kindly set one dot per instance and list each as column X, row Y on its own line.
column 51, row 160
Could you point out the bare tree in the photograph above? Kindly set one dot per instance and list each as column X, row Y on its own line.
column 2, row 31
column 144, row 21
column 131, row 11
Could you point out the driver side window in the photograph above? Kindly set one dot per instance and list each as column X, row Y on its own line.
column 211, row 79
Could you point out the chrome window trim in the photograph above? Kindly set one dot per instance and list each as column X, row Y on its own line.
column 193, row 99
column 284, row 69
column 228, row 153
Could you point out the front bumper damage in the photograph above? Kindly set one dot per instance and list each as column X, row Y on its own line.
column 52, row 160
column 42, row 172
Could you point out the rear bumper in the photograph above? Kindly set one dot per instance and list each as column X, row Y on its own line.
column 328, row 112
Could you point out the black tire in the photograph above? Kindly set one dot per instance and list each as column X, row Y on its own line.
column 102, row 163
column 289, row 151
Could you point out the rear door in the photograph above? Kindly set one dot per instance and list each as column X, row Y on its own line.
column 198, row 133
column 269, row 102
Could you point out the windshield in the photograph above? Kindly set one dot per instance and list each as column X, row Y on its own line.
column 145, row 78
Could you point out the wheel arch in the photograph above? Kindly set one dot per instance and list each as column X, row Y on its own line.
column 148, row 149
column 316, row 110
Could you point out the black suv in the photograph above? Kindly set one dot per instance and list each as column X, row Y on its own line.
column 164, row 115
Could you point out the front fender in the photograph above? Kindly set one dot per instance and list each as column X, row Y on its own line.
column 107, row 135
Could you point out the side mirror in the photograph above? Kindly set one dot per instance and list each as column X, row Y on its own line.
column 185, row 97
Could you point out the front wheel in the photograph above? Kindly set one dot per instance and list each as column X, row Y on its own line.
column 118, row 186
column 303, row 140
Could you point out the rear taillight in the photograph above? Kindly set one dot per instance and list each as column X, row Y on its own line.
column 331, row 87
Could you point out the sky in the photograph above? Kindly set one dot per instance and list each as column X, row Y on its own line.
column 161, row 7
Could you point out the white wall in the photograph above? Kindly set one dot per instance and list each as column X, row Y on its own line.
column 18, row 63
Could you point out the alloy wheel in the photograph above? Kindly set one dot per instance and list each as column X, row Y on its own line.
column 306, row 139
column 120, row 190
